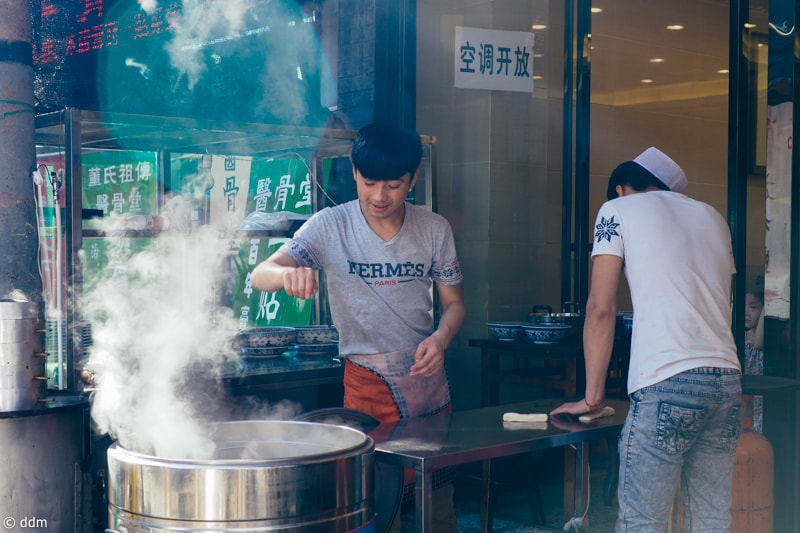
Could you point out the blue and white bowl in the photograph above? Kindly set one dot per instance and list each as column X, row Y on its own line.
column 546, row 333
column 316, row 335
column 266, row 337
column 247, row 352
column 318, row 349
column 506, row 331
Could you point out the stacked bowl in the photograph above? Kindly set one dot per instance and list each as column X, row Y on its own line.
column 546, row 333
column 506, row 331
column 269, row 341
column 316, row 340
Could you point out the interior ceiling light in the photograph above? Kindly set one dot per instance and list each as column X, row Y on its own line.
column 539, row 27
column 722, row 71
column 647, row 81
column 597, row 10
column 675, row 27
column 657, row 60
column 749, row 25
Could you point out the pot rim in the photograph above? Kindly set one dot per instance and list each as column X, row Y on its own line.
column 361, row 443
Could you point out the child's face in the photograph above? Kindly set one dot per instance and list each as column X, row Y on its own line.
column 752, row 311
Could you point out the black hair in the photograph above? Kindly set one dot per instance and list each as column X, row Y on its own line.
column 758, row 293
column 383, row 153
column 635, row 176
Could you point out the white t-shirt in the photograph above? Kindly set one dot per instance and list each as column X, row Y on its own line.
column 379, row 292
column 679, row 264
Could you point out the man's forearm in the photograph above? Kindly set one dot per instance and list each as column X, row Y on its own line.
column 450, row 322
column 268, row 277
column 598, row 343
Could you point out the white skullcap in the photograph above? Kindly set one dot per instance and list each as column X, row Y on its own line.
column 663, row 168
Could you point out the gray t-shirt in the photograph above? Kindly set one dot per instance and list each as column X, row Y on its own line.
column 380, row 292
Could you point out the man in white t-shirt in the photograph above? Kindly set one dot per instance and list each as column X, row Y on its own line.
column 684, row 380
column 381, row 256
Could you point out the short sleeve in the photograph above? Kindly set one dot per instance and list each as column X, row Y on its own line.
column 446, row 269
column 608, row 232
column 301, row 247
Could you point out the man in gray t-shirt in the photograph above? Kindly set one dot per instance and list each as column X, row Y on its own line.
column 381, row 256
column 379, row 290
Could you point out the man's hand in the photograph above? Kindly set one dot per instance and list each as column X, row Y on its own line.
column 280, row 271
column 567, row 422
column 429, row 356
column 300, row 282
column 577, row 408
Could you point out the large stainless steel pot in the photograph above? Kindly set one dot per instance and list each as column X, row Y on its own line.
column 276, row 476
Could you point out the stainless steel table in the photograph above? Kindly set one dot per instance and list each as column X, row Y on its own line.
column 428, row 444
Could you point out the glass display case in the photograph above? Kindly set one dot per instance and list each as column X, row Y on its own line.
column 111, row 186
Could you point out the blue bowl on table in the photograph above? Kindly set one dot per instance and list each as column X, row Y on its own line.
column 266, row 337
column 323, row 334
column 546, row 333
column 506, row 331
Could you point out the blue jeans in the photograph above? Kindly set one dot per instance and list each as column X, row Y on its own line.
column 682, row 430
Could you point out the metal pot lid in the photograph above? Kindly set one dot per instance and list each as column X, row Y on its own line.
column 260, row 443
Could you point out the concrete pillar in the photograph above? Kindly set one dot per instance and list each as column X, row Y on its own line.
column 19, row 240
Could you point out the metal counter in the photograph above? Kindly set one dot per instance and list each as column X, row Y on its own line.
column 428, row 444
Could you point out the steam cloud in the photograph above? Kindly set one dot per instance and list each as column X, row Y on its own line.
column 273, row 33
column 200, row 23
column 154, row 318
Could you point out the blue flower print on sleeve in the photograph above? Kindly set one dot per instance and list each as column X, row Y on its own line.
column 606, row 229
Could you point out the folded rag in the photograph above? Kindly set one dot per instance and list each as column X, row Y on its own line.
column 519, row 417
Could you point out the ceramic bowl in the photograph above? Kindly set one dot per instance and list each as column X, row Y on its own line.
column 316, row 335
column 266, row 337
column 506, row 331
column 263, row 352
column 317, row 349
column 546, row 333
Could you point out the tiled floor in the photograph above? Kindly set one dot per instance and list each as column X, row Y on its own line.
column 514, row 510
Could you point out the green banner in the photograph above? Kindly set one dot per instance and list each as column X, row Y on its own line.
column 255, row 308
column 122, row 182
column 280, row 185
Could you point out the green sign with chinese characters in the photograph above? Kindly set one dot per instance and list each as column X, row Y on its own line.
column 255, row 308
column 284, row 184
column 122, row 182
column 280, row 185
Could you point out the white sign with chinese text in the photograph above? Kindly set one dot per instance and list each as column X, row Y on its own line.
column 494, row 59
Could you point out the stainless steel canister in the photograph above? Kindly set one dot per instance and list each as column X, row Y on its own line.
column 276, row 476
column 22, row 372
